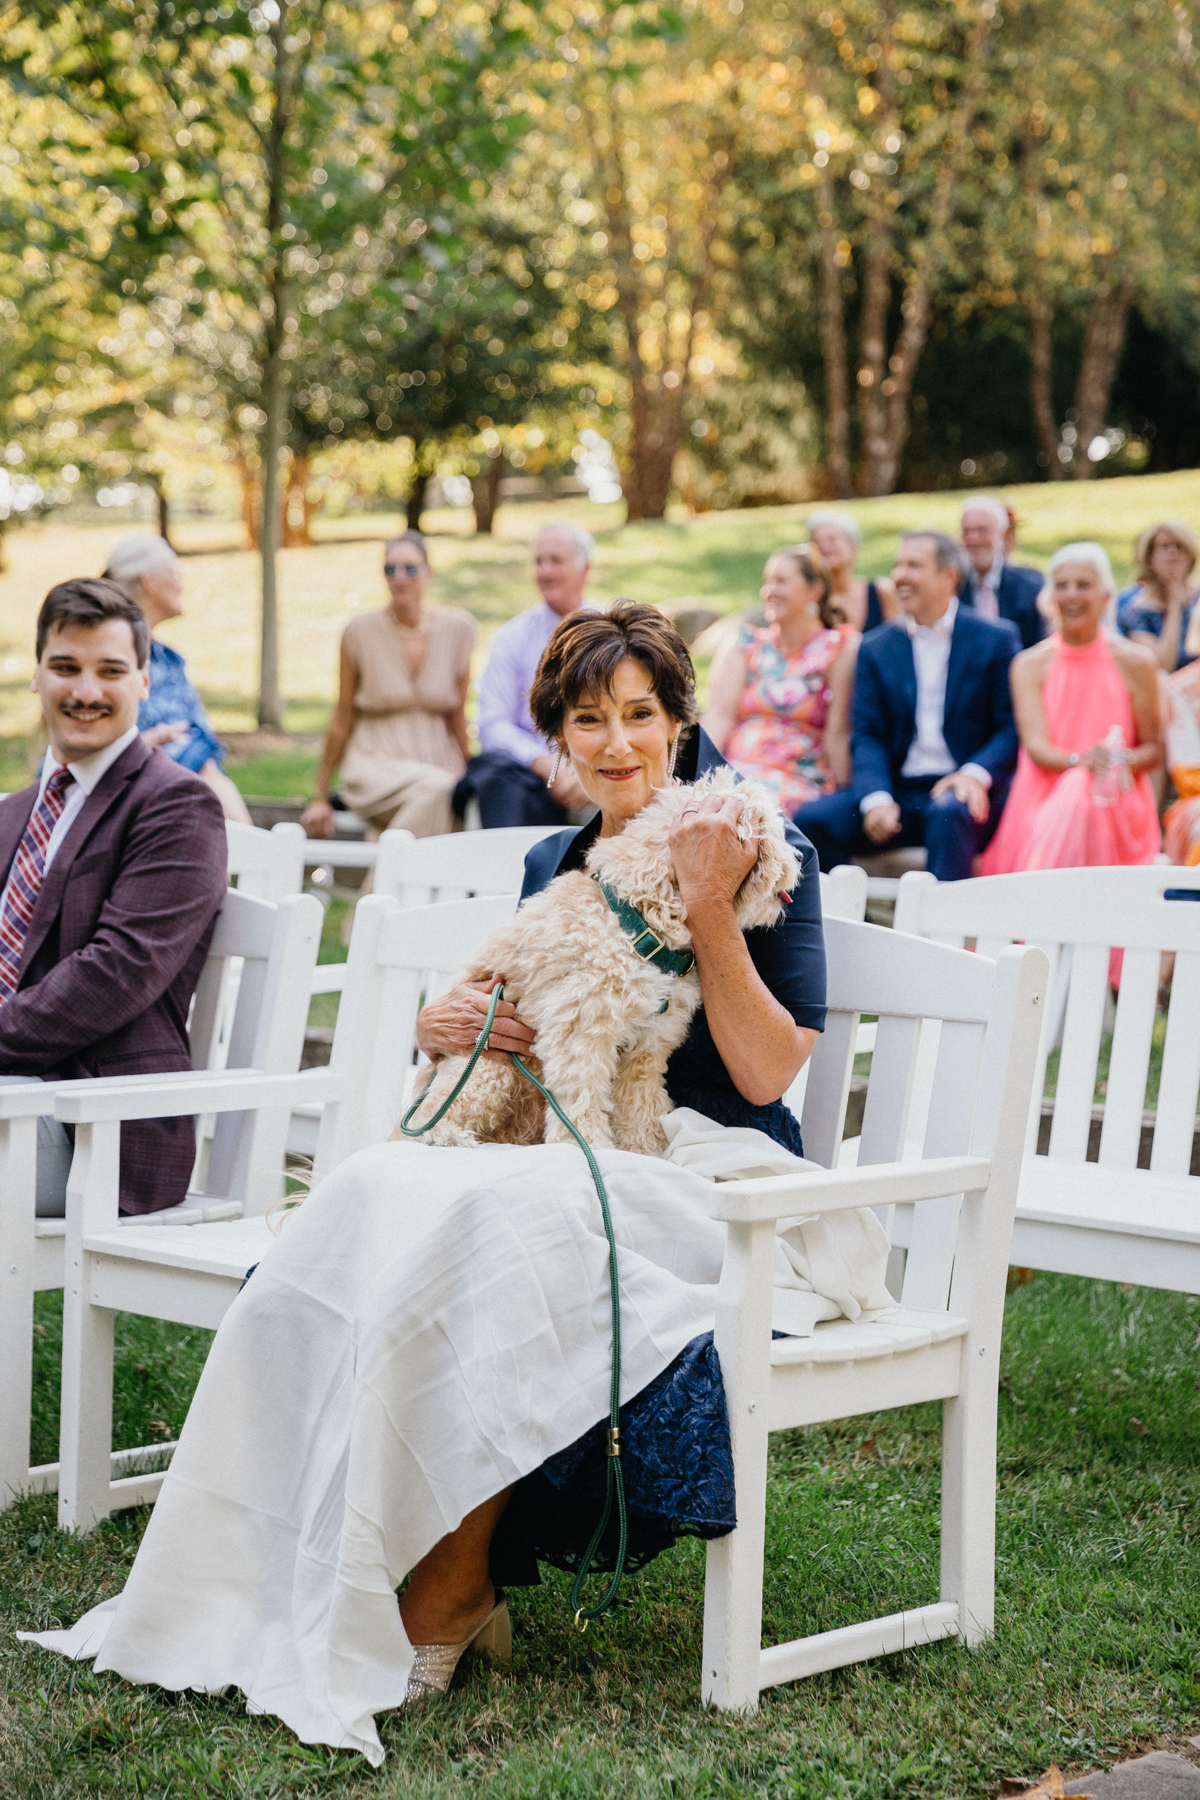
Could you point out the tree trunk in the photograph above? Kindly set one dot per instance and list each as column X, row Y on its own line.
column 160, row 500
column 297, row 508
column 415, row 505
column 1103, row 342
column 833, row 355
column 656, row 432
column 485, row 493
column 927, row 256
column 270, row 709
column 1041, row 389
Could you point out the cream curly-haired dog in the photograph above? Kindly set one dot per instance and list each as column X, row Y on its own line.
column 606, row 1021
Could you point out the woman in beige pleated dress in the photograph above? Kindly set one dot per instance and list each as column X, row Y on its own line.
column 399, row 729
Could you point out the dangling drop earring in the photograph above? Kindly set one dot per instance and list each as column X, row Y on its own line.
column 674, row 754
column 554, row 771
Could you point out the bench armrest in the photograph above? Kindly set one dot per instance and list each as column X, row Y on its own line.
column 190, row 1091
column 839, row 1190
column 31, row 1100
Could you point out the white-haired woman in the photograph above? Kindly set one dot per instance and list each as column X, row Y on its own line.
column 1088, row 717
column 862, row 603
column 1159, row 607
column 172, row 718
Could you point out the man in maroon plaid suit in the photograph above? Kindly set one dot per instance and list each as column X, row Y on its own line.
column 112, row 871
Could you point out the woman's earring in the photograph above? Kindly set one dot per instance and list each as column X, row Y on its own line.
column 554, row 771
column 674, row 754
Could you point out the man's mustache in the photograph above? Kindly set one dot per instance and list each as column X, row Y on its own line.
column 71, row 707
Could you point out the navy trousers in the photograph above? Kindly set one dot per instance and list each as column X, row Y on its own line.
column 952, row 839
column 508, row 793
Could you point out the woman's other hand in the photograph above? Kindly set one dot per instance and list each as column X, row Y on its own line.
column 317, row 819
column 171, row 731
column 451, row 1026
column 711, row 861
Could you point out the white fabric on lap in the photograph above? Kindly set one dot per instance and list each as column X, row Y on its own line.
column 430, row 1326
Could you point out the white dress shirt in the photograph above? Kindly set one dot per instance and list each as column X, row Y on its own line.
column 88, row 772
column 928, row 756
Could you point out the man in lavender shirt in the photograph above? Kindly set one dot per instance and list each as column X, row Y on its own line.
column 509, row 775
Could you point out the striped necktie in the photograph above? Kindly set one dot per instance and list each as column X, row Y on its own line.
column 25, row 879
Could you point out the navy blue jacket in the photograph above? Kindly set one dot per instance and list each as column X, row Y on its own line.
column 1017, row 597
column 978, row 724
column 790, row 957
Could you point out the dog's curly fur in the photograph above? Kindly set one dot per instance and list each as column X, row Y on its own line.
column 602, row 1042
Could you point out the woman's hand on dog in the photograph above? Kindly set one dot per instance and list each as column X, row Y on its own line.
column 451, row 1026
column 711, row 861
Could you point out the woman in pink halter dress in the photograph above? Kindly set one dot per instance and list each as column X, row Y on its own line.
column 1077, row 800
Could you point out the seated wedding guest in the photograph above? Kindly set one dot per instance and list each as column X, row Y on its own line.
column 510, row 775
column 933, row 742
column 1157, row 609
column 1181, row 821
column 779, row 694
column 173, row 717
column 995, row 587
column 863, row 604
column 1088, row 717
column 399, row 728
column 114, row 869
column 239, row 1578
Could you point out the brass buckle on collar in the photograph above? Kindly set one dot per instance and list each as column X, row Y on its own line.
column 648, row 955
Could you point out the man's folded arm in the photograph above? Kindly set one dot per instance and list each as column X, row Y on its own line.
column 170, row 884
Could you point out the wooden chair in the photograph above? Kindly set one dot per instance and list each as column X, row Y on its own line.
column 241, row 1169
column 941, row 1342
column 397, row 957
column 266, row 864
column 1110, row 1219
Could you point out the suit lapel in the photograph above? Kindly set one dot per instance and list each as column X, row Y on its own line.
column 908, row 680
column 959, row 660
column 103, row 797
column 15, row 814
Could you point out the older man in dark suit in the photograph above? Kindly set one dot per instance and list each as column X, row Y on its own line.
column 995, row 587
column 934, row 744
column 112, row 871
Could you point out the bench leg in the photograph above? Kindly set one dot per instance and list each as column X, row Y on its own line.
column 969, row 1506
column 733, row 1585
column 18, row 1186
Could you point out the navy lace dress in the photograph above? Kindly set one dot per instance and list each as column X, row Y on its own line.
column 675, row 1433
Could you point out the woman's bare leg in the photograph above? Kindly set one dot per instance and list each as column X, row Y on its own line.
column 450, row 1592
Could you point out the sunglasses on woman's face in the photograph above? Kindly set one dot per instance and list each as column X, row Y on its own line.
column 409, row 569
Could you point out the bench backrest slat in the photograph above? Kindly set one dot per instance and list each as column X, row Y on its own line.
column 1133, row 1034
column 1179, row 1083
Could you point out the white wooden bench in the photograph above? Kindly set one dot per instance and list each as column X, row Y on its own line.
column 192, row 1277
column 274, row 948
column 941, row 1342
column 266, row 864
column 1109, row 1219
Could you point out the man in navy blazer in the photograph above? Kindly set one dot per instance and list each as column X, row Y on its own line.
column 995, row 588
column 934, row 744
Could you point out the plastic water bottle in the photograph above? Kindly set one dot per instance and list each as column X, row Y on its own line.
column 1114, row 779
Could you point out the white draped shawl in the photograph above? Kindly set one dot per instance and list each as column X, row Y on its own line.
column 428, row 1328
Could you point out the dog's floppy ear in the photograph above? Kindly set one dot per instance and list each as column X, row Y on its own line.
column 777, row 871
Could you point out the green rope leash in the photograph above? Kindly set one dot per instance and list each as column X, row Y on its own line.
column 614, row 1482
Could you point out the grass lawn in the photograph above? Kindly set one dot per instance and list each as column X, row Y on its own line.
column 1097, row 1648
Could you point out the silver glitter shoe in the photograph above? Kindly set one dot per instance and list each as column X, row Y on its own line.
column 434, row 1664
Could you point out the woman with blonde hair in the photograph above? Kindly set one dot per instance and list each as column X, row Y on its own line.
column 1157, row 609
column 780, row 694
column 1088, row 717
column 172, row 719
column 863, row 603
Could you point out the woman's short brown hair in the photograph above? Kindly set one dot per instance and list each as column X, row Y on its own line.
column 584, row 651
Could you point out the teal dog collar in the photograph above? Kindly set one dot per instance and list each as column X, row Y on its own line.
column 646, row 943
